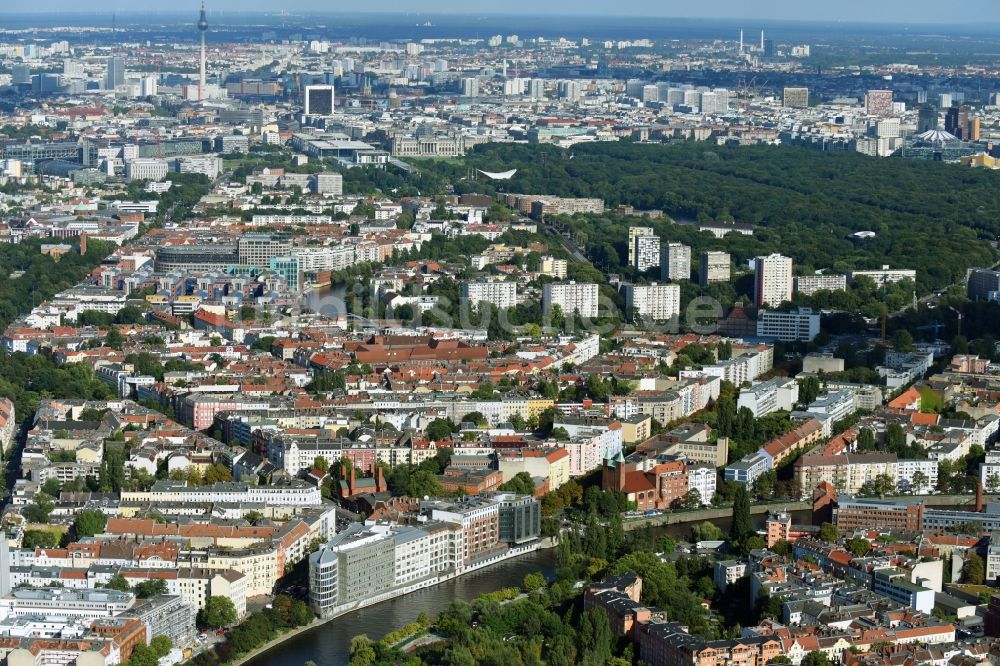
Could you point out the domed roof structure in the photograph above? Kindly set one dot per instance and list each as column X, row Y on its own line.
column 937, row 136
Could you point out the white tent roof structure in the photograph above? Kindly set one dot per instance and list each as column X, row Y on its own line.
column 504, row 175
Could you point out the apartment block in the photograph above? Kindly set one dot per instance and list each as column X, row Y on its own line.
column 807, row 285
column 503, row 295
column 660, row 302
column 772, row 280
column 647, row 253
column 715, row 267
column 801, row 325
column 572, row 298
column 675, row 262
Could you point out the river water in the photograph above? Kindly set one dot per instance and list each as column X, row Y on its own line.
column 330, row 643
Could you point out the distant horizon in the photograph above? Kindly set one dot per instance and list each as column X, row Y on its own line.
column 885, row 12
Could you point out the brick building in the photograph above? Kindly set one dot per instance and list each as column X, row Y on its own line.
column 857, row 513
column 659, row 483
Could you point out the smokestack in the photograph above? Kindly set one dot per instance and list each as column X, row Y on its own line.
column 979, row 497
column 83, row 243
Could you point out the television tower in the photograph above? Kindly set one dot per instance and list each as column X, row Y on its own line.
column 202, row 28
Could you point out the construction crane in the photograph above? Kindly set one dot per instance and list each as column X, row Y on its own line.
column 748, row 91
column 960, row 315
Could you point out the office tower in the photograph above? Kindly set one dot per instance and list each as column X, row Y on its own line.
column 741, row 40
column 715, row 101
column 921, row 97
column 115, row 75
column 570, row 90
column 514, row 87
column 202, row 29
column 955, row 120
column 772, row 283
column 769, row 51
column 762, row 39
column 259, row 249
column 927, row 119
column 470, row 87
column 983, row 284
column 675, row 262
column 888, row 127
column 72, row 69
column 692, row 98
column 878, row 103
column 633, row 88
column 647, row 253
column 635, row 232
column 650, row 93
column 536, row 89
column 570, row 297
column 709, row 103
column 660, row 302
column 319, row 100
column 722, row 96
column 973, row 129
column 20, row 75
column 944, row 100
column 795, row 97
column 45, row 83
column 714, row 268
column 148, row 86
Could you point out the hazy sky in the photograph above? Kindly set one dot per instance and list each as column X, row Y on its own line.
column 901, row 11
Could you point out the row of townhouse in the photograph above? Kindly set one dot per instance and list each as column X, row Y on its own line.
column 849, row 472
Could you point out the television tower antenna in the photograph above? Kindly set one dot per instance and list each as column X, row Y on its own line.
column 202, row 29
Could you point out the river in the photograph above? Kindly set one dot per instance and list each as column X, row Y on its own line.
column 330, row 643
column 325, row 300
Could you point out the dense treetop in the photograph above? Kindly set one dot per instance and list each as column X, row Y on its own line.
column 803, row 203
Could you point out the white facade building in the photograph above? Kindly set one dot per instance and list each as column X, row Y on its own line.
column 715, row 267
column 146, row 168
column 571, row 297
column 769, row 396
column 501, row 294
column 772, row 280
column 675, row 262
column 907, row 469
column 656, row 301
column 647, row 253
column 702, row 479
column 800, row 325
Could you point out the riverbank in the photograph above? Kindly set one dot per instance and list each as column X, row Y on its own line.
column 347, row 609
column 700, row 515
column 275, row 642
column 716, row 513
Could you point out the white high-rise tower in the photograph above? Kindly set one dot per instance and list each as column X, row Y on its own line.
column 741, row 40
column 202, row 28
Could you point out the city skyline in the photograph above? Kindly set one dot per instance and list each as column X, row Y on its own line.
column 319, row 319
column 850, row 11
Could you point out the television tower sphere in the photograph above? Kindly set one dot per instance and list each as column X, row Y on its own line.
column 203, row 21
